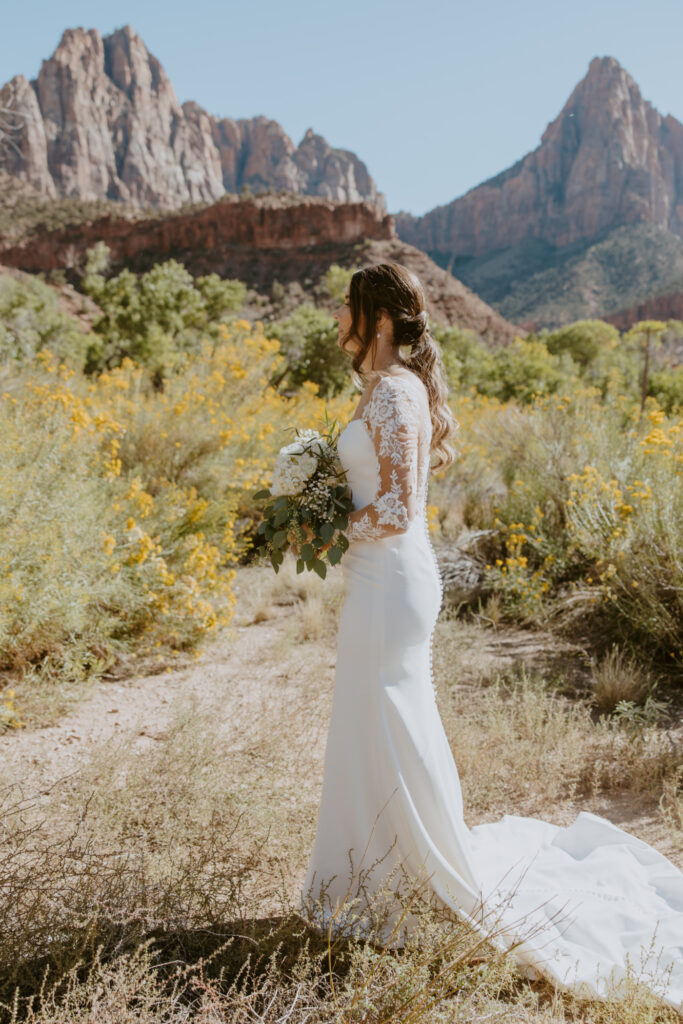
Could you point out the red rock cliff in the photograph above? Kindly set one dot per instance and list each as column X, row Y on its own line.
column 102, row 120
column 609, row 158
column 261, row 223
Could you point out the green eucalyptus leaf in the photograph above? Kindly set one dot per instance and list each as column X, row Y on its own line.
column 307, row 552
column 279, row 538
column 320, row 568
column 334, row 554
column 265, row 493
column 327, row 532
column 300, row 565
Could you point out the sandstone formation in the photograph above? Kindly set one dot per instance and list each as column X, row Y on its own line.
column 659, row 307
column 259, row 241
column 608, row 159
column 102, row 120
column 213, row 235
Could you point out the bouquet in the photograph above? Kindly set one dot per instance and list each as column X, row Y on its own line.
column 308, row 502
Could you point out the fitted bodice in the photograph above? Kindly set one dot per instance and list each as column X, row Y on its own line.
column 385, row 453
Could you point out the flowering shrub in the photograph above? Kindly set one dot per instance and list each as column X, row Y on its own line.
column 124, row 508
column 585, row 498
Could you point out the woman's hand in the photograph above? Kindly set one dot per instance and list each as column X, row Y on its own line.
column 308, row 538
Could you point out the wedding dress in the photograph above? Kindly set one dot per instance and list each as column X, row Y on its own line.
column 578, row 905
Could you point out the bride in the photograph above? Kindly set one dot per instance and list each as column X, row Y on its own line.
column 577, row 905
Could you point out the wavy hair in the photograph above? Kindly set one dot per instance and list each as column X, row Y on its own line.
column 395, row 290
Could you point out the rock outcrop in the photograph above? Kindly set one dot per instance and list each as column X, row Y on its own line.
column 659, row 307
column 211, row 235
column 102, row 120
column 608, row 159
column 260, row 241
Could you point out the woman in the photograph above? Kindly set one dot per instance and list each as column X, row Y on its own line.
column 573, row 902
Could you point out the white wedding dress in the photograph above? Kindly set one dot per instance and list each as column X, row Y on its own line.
column 579, row 904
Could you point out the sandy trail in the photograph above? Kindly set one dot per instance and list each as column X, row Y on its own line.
column 271, row 698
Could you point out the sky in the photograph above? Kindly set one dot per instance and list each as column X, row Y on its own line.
column 434, row 96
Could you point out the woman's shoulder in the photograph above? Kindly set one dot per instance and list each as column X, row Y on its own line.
column 397, row 383
column 403, row 390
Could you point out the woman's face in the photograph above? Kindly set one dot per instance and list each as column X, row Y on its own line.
column 342, row 315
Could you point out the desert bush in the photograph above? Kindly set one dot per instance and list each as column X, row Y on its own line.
column 519, row 371
column 125, row 508
column 336, row 281
column 30, row 321
column 156, row 316
column 308, row 339
column 584, row 498
column 667, row 387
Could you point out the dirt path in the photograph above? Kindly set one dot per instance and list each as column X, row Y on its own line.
column 142, row 705
column 271, row 691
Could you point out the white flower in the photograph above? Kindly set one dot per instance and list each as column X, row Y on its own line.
column 297, row 462
column 293, row 468
column 320, row 445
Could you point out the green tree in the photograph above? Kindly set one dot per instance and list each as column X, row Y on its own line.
column 152, row 317
column 583, row 340
column 308, row 340
column 643, row 337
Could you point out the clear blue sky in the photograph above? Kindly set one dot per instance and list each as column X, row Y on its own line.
column 434, row 96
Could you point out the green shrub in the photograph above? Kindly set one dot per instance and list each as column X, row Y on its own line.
column 151, row 318
column 30, row 321
column 308, row 341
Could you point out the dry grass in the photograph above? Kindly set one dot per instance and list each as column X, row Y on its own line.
column 522, row 737
column 158, row 881
column 618, row 676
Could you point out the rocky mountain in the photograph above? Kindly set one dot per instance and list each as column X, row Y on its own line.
column 265, row 241
column 102, row 120
column 608, row 161
column 537, row 285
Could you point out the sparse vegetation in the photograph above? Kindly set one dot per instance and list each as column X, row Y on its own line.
column 158, row 878
column 557, row 285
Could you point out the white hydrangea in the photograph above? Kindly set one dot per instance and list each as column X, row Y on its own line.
column 322, row 446
column 293, row 468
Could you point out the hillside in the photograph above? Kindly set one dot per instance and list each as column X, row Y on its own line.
column 265, row 240
column 538, row 285
column 536, row 241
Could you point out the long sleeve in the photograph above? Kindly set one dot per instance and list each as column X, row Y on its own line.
column 392, row 418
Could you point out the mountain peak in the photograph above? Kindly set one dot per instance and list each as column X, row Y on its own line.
column 606, row 106
column 602, row 65
column 608, row 159
column 102, row 120
column 604, row 76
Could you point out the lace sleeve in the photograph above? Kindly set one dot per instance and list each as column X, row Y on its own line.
column 392, row 418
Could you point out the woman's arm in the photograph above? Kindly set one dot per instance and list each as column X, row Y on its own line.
column 392, row 418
